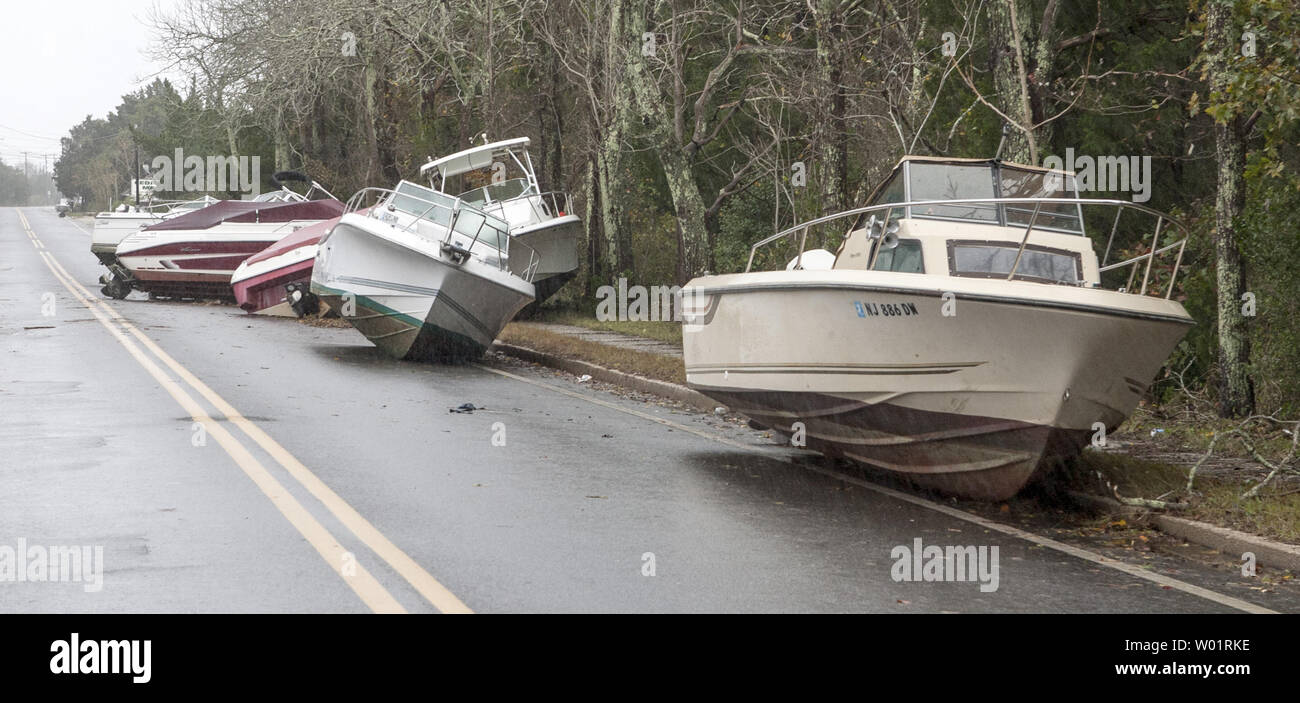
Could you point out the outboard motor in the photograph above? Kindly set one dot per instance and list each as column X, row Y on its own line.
column 301, row 299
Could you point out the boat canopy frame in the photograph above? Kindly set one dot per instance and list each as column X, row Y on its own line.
column 560, row 202
column 166, row 205
column 1120, row 205
column 480, row 157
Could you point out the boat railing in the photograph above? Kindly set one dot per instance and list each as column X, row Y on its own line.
column 449, row 216
column 165, row 205
column 1133, row 263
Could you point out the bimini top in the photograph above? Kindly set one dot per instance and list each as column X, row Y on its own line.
column 251, row 211
column 473, row 158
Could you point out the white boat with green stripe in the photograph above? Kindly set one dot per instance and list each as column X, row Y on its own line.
column 421, row 274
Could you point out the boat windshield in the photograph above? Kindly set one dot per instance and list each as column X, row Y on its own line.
column 430, row 205
column 497, row 192
column 1023, row 183
column 948, row 181
column 938, row 181
column 893, row 192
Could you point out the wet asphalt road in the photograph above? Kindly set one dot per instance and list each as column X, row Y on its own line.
column 94, row 450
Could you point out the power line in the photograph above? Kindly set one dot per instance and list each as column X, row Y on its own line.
column 29, row 134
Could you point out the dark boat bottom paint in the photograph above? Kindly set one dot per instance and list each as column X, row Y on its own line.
column 391, row 334
column 544, row 289
column 971, row 457
column 438, row 345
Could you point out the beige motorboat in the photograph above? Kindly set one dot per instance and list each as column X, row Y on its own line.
column 961, row 336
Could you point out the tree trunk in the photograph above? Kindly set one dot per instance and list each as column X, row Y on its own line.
column 1023, row 60
column 386, row 135
column 622, row 54
column 688, row 204
column 607, row 165
column 371, row 80
column 831, row 137
column 281, row 144
column 556, row 159
column 689, row 208
column 1236, row 392
column 591, row 198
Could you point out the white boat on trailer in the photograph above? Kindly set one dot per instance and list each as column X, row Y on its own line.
column 499, row 179
column 423, row 275
column 111, row 228
column 195, row 255
column 962, row 336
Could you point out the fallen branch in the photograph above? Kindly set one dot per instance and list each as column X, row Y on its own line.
column 1145, row 502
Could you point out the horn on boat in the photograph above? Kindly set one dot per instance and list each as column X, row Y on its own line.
column 890, row 239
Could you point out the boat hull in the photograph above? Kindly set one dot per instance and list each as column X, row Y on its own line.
column 260, row 281
column 111, row 228
column 398, row 290
column 970, row 399
column 556, row 244
column 260, row 288
column 189, row 267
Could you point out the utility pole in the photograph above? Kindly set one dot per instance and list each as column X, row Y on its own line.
column 136, row 168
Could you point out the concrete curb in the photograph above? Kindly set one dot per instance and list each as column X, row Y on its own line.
column 1232, row 542
column 672, row 391
column 1278, row 555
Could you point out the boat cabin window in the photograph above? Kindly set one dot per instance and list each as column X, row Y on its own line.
column 893, row 192
column 1020, row 183
column 904, row 258
column 497, row 192
column 948, row 181
column 436, row 207
column 995, row 259
column 422, row 202
column 939, row 181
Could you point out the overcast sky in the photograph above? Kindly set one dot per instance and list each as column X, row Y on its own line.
column 61, row 60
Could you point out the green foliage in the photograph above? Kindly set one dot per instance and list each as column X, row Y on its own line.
column 14, row 187
column 98, row 156
column 1272, row 244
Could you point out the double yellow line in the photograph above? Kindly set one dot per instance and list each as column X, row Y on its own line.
column 371, row 592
